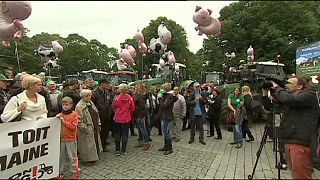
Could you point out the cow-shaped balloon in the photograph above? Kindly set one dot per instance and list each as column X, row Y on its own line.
column 11, row 15
column 164, row 34
column 157, row 46
column 206, row 24
column 49, row 56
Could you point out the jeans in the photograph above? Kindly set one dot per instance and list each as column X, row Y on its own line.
column 141, row 122
column 299, row 160
column 237, row 133
column 121, row 133
column 166, row 128
column 149, row 123
column 197, row 123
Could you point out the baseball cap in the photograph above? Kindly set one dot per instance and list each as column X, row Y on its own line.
column 196, row 84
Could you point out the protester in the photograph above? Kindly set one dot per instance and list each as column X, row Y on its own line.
column 152, row 109
column 124, row 107
column 4, row 96
column 214, row 110
column 235, row 103
column 179, row 112
column 197, row 101
column 89, row 141
column 102, row 98
column 29, row 103
column 299, row 121
column 53, row 95
column 140, row 116
column 246, row 92
column 166, row 103
column 73, row 92
column 68, row 144
column 89, row 83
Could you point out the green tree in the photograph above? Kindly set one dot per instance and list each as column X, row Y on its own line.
column 271, row 27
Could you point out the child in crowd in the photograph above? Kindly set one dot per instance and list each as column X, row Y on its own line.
column 68, row 146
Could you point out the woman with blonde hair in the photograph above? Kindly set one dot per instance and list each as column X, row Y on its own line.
column 140, row 115
column 29, row 103
column 246, row 92
column 89, row 142
column 124, row 107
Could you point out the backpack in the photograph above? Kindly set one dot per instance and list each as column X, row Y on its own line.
column 315, row 143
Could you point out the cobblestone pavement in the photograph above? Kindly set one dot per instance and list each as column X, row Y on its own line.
column 216, row 160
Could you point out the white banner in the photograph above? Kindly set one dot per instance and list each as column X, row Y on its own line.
column 30, row 149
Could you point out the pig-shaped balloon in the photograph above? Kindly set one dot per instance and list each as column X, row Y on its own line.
column 11, row 15
column 157, row 46
column 125, row 55
column 202, row 16
column 164, row 34
column 132, row 51
column 57, row 48
column 142, row 47
column 139, row 36
column 206, row 24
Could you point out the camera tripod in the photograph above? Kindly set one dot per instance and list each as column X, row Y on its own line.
column 276, row 148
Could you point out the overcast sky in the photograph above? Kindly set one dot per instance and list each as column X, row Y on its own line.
column 111, row 22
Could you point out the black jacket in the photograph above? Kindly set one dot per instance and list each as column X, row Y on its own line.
column 140, row 102
column 166, row 103
column 103, row 101
column 301, row 112
column 214, row 108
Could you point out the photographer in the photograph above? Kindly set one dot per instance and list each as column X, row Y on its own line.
column 298, row 123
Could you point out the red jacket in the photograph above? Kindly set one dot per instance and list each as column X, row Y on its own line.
column 69, row 128
column 124, row 106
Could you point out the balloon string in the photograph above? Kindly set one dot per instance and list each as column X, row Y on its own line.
column 17, row 56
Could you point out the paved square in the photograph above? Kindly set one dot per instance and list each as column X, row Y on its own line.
column 216, row 160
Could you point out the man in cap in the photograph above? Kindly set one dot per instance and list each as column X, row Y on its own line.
column 197, row 101
column 4, row 96
column 102, row 98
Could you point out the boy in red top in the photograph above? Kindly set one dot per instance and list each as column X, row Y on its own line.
column 68, row 146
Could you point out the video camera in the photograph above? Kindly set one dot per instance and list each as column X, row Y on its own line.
column 266, row 80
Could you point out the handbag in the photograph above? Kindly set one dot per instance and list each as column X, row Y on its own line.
column 231, row 120
column 18, row 118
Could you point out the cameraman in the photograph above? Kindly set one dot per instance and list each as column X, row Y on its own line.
column 298, row 122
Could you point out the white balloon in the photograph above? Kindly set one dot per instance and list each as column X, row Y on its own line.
column 57, row 48
column 176, row 68
column 162, row 63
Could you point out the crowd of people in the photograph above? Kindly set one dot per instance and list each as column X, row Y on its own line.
column 89, row 114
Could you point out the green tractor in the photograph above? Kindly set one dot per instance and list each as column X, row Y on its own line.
column 159, row 75
column 252, row 75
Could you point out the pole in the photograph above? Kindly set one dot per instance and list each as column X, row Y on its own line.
column 141, row 66
column 17, row 56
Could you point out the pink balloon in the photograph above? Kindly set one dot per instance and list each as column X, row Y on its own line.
column 11, row 15
column 132, row 51
column 206, row 24
column 202, row 16
column 139, row 36
column 213, row 29
column 143, row 48
column 125, row 55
